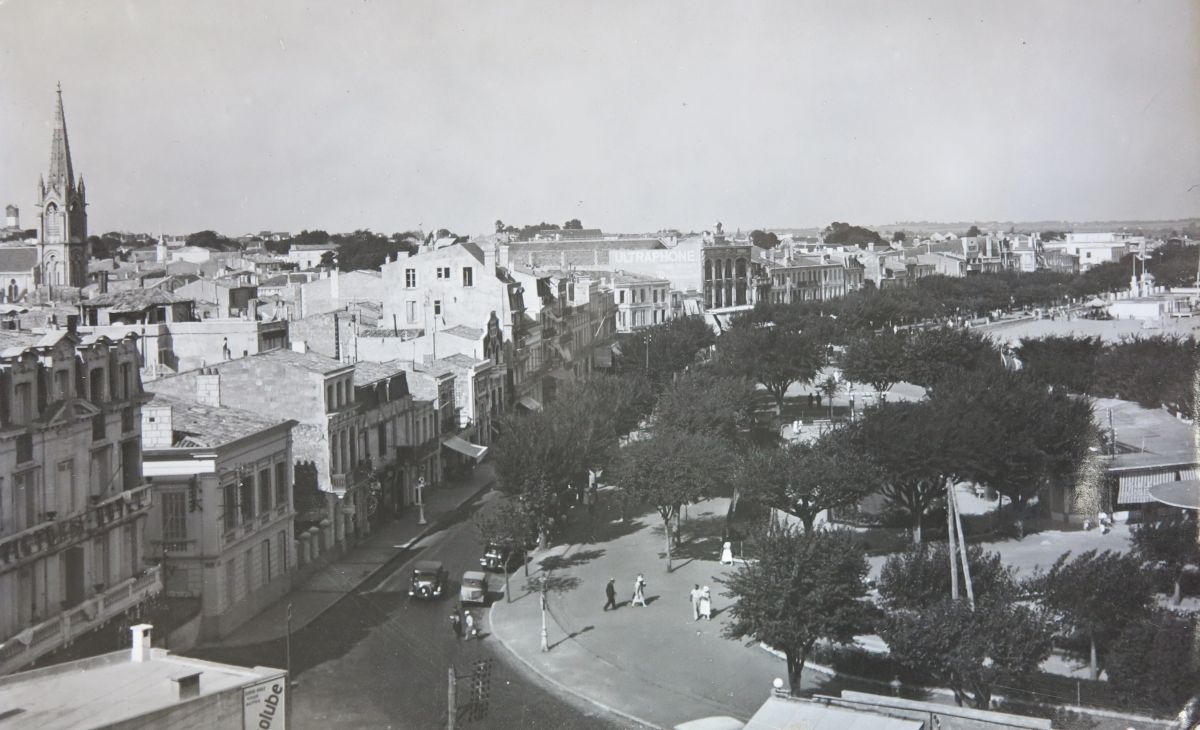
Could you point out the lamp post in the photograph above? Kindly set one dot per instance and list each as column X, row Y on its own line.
column 545, row 634
column 287, row 648
column 421, row 501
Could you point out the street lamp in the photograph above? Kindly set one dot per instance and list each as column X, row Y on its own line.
column 545, row 634
column 421, row 501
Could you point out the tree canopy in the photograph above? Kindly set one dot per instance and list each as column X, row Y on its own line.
column 707, row 403
column 806, row 587
column 1171, row 542
column 920, row 577
column 876, row 360
column 213, row 241
column 662, row 350
column 773, row 356
column 844, row 233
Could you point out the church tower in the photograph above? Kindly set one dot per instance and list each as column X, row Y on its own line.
column 62, row 245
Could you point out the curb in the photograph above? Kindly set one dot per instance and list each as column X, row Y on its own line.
column 554, row 682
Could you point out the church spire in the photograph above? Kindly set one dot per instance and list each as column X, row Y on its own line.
column 61, row 175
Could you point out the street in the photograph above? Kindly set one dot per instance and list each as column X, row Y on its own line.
column 379, row 659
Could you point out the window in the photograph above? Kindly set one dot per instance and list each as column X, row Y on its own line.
column 174, row 516
column 96, row 384
column 410, row 278
column 410, row 311
column 246, row 497
column 266, row 553
column 66, row 486
column 248, row 563
column 281, row 484
column 24, row 403
column 330, row 403
column 621, row 297
column 229, row 511
column 62, row 384
column 437, row 307
column 24, row 448
column 230, row 580
column 382, row 434
column 264, row 490
column 127, row 423
column 283, row 551
column 468, row 276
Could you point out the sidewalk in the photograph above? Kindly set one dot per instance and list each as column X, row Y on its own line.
column 654, row 666
column 351, row 569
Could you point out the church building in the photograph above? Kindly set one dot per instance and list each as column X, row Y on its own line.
column 59, row 256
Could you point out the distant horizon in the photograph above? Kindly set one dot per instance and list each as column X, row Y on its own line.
column 397, row 116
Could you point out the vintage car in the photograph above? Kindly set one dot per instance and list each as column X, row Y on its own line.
column 498, row 558
column 474, row 587
column 428, row 579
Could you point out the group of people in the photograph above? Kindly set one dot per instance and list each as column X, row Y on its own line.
column 463, row 623
column 639, row 593
column 701, row 603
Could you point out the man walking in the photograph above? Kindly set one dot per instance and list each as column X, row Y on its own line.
column 696, row 602
column 456, row 622
column 610, row 591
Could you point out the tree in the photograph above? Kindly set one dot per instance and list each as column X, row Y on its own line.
column 876, row 360
column 772, row 356
column 899, row 237
column 212, row 240
column 706, row 403
column 1154, row 663
column 1171, row 542
column 920, row 577
column 844, row 233
column 364, row 249
column 1095, row 595
column 533, row 458
column 671, row 469
column 507, row 525
column 806, row 479
column 806, row 587
column 972, row 232
column 905, row 440
column 764, row 239
column 662, row 350
column 935, row 354
column 1068, row 362
column 970, row 651
column 573, row 225
column 829, row 386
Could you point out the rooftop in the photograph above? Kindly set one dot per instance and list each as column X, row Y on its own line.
column 13, row 342
column 370, row 372
column 308, row 361
column 462, row 330
column 1154, row 436
column 209, row 427
column 107, row 689
column 458, row 359
column 134, row 300
column 314, row 247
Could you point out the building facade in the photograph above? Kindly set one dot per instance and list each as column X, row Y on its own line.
column 641, row 300
column 73, row 503
column 222, row 519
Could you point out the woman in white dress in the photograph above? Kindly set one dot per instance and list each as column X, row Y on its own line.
column 727, row 553
column 705, row 604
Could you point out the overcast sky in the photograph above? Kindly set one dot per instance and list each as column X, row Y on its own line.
column 242, row 116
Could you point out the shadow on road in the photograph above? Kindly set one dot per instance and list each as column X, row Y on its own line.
column 572, row 635
column 574, row 560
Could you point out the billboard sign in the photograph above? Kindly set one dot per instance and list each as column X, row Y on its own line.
column 263, row 706
column 681, row 265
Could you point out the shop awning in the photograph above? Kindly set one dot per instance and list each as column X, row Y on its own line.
column 529, row 403
column 1183, row 494
column 466, row 448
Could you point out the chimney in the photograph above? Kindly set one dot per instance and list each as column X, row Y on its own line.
column 141, row 643
column 208, row 388
column 502, row 257
column 337, row 338
column 158, row 428
column 334, row 286
column 12, row 216
column 489, row 259
column 73, row 323
column 188, row 685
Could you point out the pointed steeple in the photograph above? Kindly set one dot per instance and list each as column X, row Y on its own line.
column 61, row 175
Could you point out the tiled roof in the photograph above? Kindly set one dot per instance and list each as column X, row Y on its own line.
column 462, row 330
column 207, row 426
column 17, row 259
column 371, row 372
column 134, row 300
column 458, row 359
column 13, row 342
column 308, row 361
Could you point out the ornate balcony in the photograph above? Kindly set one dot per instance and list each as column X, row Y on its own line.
column 50, row 536
column 41, row 639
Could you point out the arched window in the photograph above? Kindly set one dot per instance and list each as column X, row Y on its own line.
column 741, row 268
column 728, row 268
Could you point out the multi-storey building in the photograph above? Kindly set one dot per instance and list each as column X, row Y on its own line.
column 642, row 300
column 73, row 503
column 812, row 279
column 221, row 521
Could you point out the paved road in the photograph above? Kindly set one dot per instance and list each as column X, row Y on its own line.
column 379, row 659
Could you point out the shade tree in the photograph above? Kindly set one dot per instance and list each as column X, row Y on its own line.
column 920, row 577
column 805, row 587
column 1171, row 542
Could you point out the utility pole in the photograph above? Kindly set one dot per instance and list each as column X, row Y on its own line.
column 287, row 648
column 962, row 546
column 545, row 634
column 451, row 701
column 951, row 547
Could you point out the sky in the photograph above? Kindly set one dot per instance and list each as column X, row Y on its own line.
column 631, row 116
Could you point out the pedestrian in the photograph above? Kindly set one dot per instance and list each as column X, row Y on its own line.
column 727, row 553
column 610, row 591
column 456, row 622
column 695, row 595
column 639, row 591
column 469, row 622
column 705, row 604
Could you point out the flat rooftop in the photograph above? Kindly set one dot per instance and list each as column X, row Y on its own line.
column 1151, row 436
column 109, row 688
column 1108, row 330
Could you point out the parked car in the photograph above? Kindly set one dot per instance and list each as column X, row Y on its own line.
column 474, row 587
column 428, row 579
column 498, row 558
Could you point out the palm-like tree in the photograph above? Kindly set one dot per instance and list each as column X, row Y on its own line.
column 829, row 387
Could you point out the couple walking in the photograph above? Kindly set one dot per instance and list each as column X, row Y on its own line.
column 701, row 603
column 639, row 593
